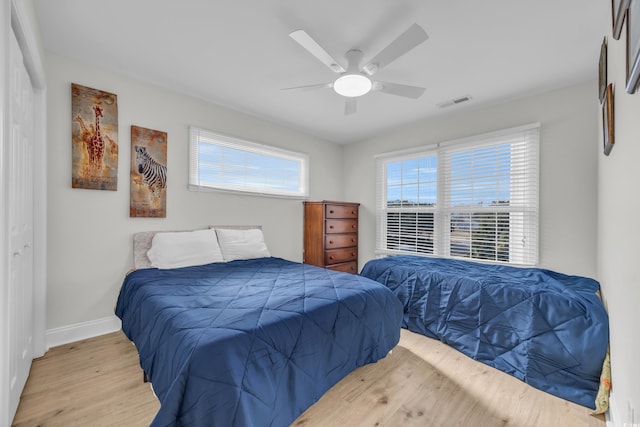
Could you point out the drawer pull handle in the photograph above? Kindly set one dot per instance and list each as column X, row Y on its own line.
column 330, row 212
column 353, row 226
column 353, row 254
column 353, row 212
column 331, row 242
column 353, row 240
column 330, row 256
column 331, row 226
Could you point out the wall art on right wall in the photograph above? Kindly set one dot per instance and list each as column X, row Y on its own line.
column 618, row 12
column 607, row 120
column 633, row 46
column 602, row 71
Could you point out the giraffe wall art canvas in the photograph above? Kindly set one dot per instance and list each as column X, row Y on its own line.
column 94, row 139
column 148, row 173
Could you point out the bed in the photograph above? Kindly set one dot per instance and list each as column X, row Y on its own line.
column 250, row 342
column 545, row 328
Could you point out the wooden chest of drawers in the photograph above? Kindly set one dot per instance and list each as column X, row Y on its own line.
column 331, row 235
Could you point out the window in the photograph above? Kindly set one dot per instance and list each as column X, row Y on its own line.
column 474, row 198
column 224, row 163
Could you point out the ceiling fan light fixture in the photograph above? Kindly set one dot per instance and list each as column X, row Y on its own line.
column 352, row 85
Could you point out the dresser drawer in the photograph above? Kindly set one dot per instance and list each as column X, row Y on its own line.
column 338, row 211
column 337, row 256
column 347, row 267
column 341, row 226
column 335, row 241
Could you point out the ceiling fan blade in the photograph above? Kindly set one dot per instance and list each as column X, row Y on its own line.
column 310, row 87
column 407, row 91
column 316, row 50
column 350, row 106
column 403, row 44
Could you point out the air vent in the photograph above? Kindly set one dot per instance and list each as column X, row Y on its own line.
column 454, row 101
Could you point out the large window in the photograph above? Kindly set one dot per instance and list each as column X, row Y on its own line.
column 224, row 163
column 475, row 198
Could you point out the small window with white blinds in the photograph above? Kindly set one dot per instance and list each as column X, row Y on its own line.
column 219, row 162
column 474, row 198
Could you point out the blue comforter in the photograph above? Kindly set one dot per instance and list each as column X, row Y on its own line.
column 545, row 328
column 253, row 342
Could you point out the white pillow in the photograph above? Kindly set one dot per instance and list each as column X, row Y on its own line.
column 242, row 244
column 184, row 249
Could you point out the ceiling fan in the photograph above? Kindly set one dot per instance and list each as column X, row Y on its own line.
column 355, row 81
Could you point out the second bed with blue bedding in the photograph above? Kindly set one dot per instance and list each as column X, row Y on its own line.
column 545, row 328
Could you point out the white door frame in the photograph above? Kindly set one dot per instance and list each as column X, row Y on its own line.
column 14, row 17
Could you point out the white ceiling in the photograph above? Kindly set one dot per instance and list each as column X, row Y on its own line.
column 238, row 53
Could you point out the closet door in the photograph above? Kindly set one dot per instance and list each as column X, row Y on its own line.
column 21, row 202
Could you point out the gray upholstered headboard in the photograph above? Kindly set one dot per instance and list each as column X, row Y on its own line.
column 142, row 243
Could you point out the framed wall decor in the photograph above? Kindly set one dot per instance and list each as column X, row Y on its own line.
column 602, row 70
column 94, row 139
column 608, row 120
column 618, row 13
column 633, row 46
column 148, row 196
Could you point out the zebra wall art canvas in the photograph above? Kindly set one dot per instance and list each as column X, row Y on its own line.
column 148, row 173
column 94, row 139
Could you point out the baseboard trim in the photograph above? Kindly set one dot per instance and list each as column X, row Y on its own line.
column 612, row 416
column 82, row 331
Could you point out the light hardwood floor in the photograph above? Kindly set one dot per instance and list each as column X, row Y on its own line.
column 98, row 382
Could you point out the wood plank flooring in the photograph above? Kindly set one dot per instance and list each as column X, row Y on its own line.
column 98, row 382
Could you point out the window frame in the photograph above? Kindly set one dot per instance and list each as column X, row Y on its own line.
column 196, row 183
column 523, row 215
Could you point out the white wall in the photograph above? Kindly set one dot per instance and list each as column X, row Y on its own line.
column 90, row 231
column 568, row 119
column 619, row 235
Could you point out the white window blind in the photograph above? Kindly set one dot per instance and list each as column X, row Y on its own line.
column 220, row 162
column 474, row 198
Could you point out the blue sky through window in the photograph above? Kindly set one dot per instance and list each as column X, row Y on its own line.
column 478, row 176
column 412, row 182
column 481, row 176
column 239, row 168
